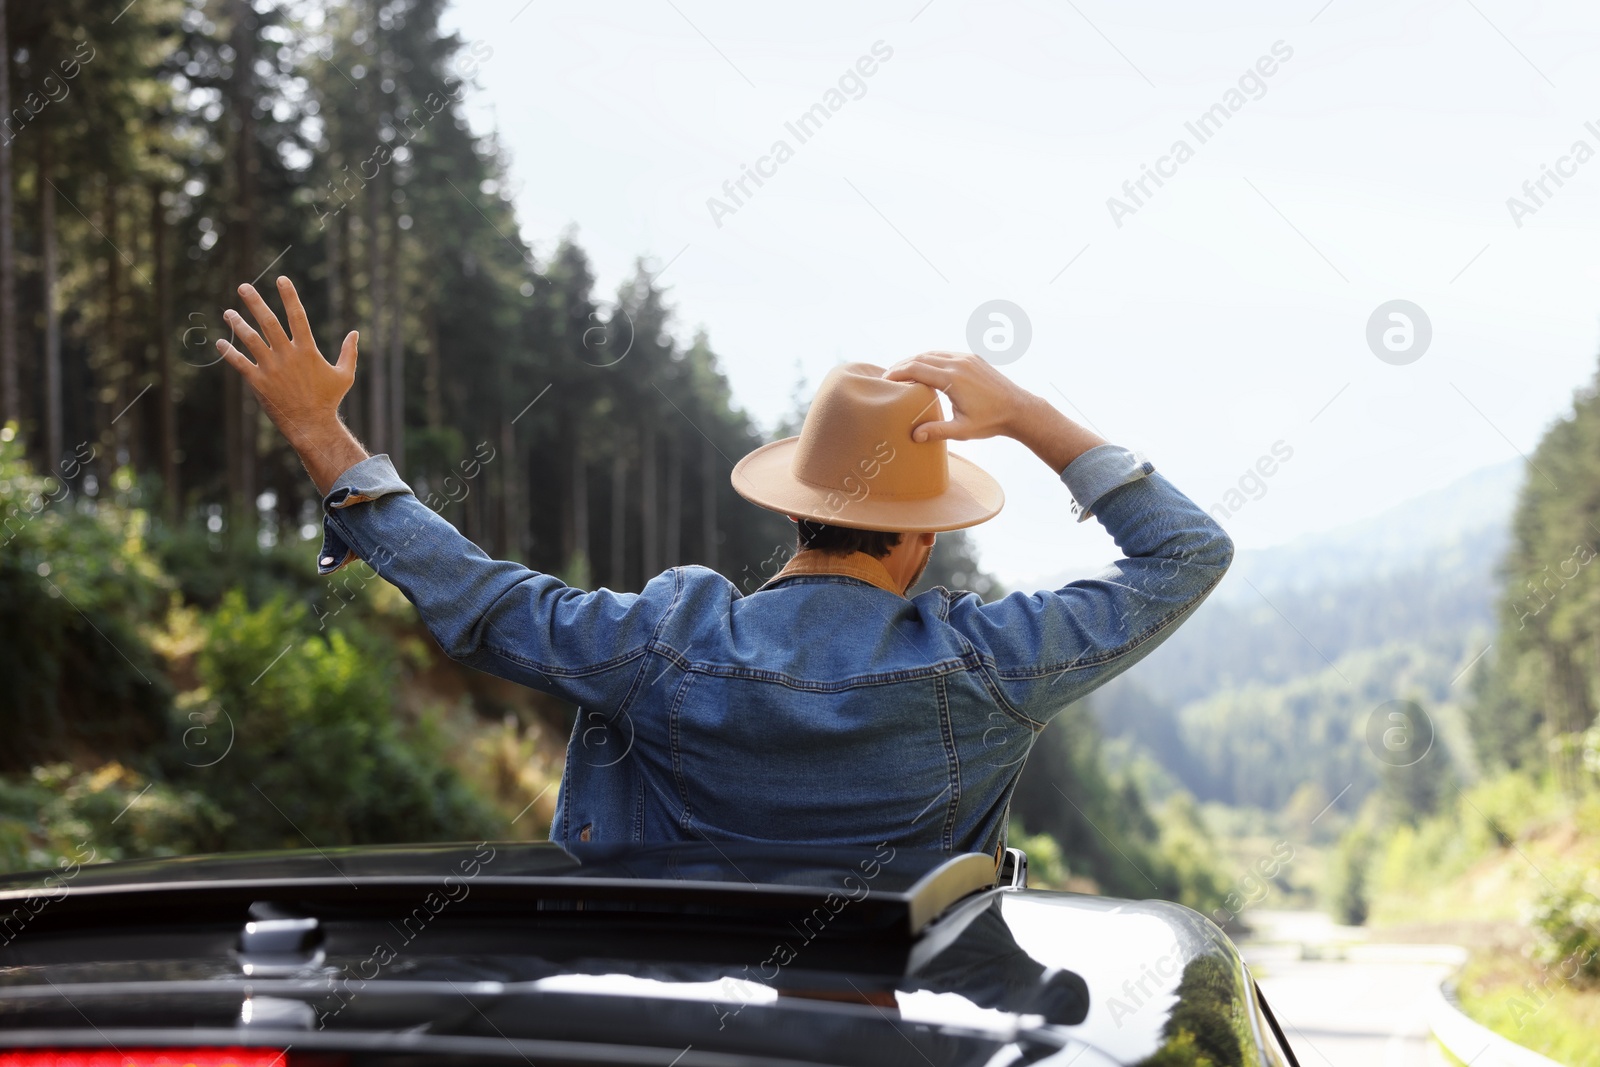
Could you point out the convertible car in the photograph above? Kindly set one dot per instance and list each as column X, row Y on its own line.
column 704, row 955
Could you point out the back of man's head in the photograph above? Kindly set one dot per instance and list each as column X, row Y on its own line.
column 843, row 540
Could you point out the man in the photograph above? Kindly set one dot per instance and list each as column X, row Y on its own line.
column 825, row 707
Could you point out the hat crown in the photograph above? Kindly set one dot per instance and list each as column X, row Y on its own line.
column 856, row 441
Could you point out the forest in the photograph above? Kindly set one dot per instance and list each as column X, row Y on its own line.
column 178, row 679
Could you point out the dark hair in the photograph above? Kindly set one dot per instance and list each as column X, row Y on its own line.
column 842, row 540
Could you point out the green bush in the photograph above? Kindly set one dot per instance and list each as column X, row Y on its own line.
column 1047, row 867
column 77, row 585
column 1566, row 926
column 109, row 813
column 313, row 752
column 1349, row 892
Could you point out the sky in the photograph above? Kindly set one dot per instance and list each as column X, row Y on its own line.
column 1358, row 153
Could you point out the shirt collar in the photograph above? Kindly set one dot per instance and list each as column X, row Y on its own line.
column 854, row 565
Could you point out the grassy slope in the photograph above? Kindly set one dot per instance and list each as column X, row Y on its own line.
column 1449, row 880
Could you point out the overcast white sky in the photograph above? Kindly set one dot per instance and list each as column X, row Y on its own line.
column 1228, row 313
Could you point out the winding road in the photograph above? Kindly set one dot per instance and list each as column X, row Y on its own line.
column 1344, row 1003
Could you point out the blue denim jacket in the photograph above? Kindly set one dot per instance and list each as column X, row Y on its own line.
column 819, row 708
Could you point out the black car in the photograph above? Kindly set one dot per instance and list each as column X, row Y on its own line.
column 699, row 955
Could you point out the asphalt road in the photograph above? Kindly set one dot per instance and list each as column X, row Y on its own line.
column 1357, row 1005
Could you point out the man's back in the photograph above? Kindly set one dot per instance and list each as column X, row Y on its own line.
column 826, row 708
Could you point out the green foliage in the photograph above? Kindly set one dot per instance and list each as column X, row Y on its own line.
column 1566, row 924
column 1047, row 867
column 317, row 756
column 1542, row 682
column 1532, row 1005
column 78, row 585
column 1207, row 1024
column 1349, row 891
column 1103, row 825
column 109, row 813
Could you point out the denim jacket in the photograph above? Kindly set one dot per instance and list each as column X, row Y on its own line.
column 823, row 707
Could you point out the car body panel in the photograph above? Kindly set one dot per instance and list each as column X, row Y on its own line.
column 757, row 953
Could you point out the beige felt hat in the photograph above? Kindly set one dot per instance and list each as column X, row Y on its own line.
column 855, row 464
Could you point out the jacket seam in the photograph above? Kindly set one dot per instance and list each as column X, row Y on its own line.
column 952, row 763
column 980, row 666
column 942, row 668
column 674, row 719
column 1117, row 653
column 644, row 661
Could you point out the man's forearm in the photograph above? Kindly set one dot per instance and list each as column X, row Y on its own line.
column 327, row 449
column 1052, row 436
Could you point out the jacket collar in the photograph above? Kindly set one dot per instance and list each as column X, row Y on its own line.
column 855, row 565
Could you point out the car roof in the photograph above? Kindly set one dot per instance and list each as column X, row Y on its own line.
column 510, row 945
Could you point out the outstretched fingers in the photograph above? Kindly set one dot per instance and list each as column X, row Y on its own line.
column 253, row 341
column 298, row 323
column 237, row 360
column 270, row 326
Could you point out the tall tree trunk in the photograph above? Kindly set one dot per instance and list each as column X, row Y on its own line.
column 337, row 323
column 619, row 528
column 53, row 415
column 708, row 503
column 580, row 507
column 377, row 205
column 511, row 479
column 377, row 379
column 649, row 511
column 432, row 383
column 397, row 358
column 245, row 236
column 673, row 550
column 167, row 400
column 10, row 390
column 114, row 383
column 343, row 237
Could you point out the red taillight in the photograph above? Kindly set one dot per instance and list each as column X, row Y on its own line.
column 143, row 1057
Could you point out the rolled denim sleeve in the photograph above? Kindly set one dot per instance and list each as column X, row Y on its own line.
column 1047, row 649
column 1098, row 471
column 368, row 480
column 495, row 615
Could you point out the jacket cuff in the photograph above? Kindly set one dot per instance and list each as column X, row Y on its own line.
column 366, row 481
column 1100, row 470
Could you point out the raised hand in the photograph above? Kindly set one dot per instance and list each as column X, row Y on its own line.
column 296, row 384
column 298, row 387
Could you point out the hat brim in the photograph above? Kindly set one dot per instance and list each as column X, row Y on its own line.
column 765, row 478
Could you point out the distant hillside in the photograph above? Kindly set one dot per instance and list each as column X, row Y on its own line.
column 1290, row 653
column 1466, row 522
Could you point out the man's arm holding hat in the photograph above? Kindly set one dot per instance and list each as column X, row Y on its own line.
column 1049, row 648
column 985, row 403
